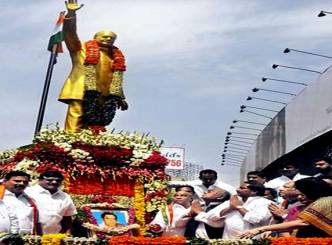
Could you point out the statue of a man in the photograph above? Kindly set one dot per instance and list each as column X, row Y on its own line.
column 93, row 89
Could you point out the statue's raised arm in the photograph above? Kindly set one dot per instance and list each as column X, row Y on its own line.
column 69, row 27
column 93, row 89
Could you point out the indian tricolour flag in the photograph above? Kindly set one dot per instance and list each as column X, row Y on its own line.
column 57, row 36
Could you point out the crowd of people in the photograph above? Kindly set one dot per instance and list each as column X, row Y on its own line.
column 40, row 209
column 292, row 204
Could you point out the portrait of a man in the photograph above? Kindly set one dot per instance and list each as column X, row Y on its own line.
column 111, row 218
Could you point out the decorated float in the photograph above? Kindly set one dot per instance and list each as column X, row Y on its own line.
column 104, row 171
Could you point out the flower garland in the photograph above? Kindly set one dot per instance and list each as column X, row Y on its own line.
column 119, row 186
column 300, row 241
column 156, row 193
column 139, row 205
column 230, row 242
column 93, row 55
column 52, row 239
column 85, row 153
column 126, row 240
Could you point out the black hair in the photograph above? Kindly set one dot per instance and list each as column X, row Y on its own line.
column 273, row 192
column 207, row 171
column 53, row 173
column 13, row 173
column 258, row 187
column 313, row 188
column 109, row 213
column 323, row 158
column 178, row 188
column 258, row 173
column 295, row 165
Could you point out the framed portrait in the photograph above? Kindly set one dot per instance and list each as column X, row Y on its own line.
column 108, row 219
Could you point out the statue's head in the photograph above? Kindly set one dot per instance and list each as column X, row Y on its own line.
column 105, row 38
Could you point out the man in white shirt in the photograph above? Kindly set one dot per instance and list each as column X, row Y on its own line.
column 208, row 188
column 56, row 207
column 289, row 171
column 245, row 210
column 210, row 192
column 19, row 202
column 257, row 176
column 172, row 219
column 8, row 220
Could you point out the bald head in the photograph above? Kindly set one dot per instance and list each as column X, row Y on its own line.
column 105, row 38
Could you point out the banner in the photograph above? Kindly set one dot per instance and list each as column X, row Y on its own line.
column 175, row 156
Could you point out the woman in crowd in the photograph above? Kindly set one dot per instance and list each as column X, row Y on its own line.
column 315, row 220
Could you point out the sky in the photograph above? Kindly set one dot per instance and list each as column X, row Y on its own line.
column 191, row 64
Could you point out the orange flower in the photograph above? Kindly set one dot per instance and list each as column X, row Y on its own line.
column 300, row 241
column 126, row 240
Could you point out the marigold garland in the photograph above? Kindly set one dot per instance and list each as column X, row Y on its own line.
column 139, row 205
column 126, row 240
column 52, row 239
column 300, row 241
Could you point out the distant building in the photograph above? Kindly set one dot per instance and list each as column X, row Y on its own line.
column 189, row 172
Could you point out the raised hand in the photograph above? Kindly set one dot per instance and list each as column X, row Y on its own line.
column 275, row 210
column 249, row 233
column 72, row 5
column 196, row 207
column 213, row 194
column 235, row 201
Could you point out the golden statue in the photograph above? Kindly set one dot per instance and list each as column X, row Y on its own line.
column 93, row 89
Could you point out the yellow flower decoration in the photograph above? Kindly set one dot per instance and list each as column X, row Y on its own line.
column 139, row 205
column 52, row 239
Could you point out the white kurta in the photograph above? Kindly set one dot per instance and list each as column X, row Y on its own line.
column 281, row 180
column 234, row 223
column 179, row 222
column 278, row 182
column 22, row 209
column 200, row 189
column 52, row 207
column 8, row 219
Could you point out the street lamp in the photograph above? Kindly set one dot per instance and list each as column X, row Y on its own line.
column 257, row 114
column 270, row 90
column 231, row 144
column 232, row 127
column 254, row 107
column 231, row 147
column 235, row 151
column 283, row 81
column 238, row 137
column 235, row 121
column 323, row 13
column 274, row 66
column 230, row 133
column 274, row 101
column 227, row 141
column 288, row 50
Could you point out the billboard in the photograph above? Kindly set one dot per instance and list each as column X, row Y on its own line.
column 175, row 156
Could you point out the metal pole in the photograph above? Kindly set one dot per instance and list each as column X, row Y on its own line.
column 43, row 101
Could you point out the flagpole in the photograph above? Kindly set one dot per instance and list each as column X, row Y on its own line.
column 47, row 83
